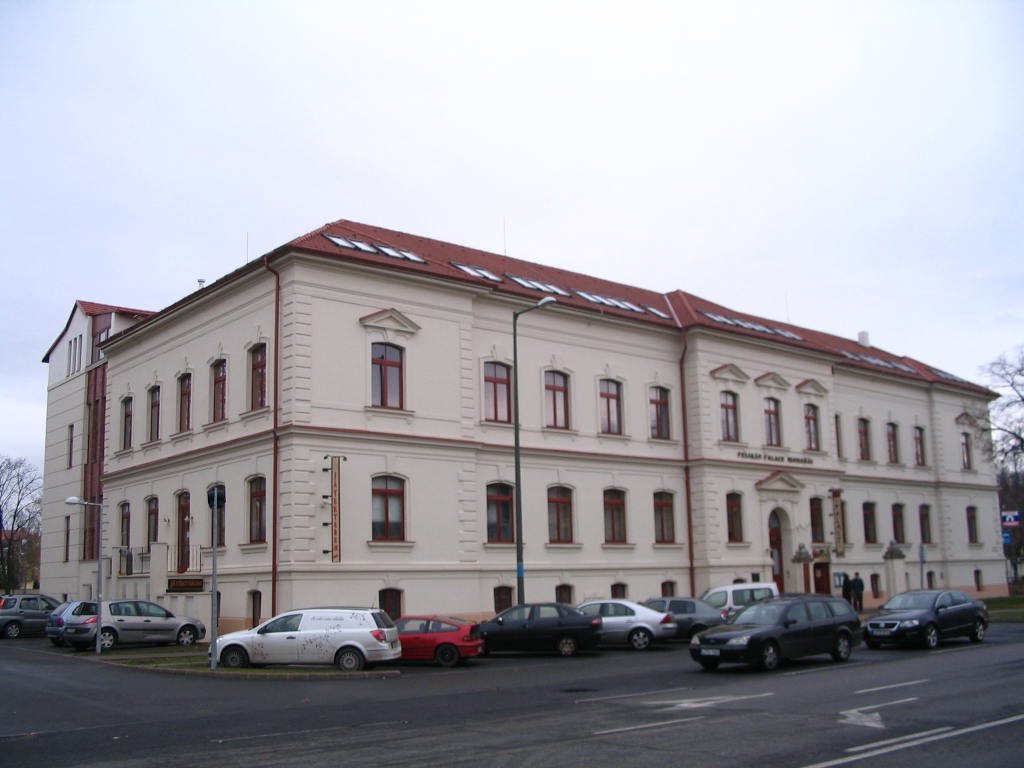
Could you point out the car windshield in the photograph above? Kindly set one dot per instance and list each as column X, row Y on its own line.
column 765, row 614
column 909, row 602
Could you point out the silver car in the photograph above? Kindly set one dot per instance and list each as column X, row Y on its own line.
column 349, row 638
column 24, row 614
column 625, row 621
column 130, row 621
column 691, row 615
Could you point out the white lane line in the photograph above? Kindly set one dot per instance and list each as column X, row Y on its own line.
column 899, row 739
column 329, row 729
column 917, row 742
column 630, row 695
column 829, row 668
column 661, row 724
column 890, row 687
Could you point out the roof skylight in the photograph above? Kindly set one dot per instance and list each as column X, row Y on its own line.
column 659, row 313
column 610, row 302
column 537, row 285
column 752, row 326
column 387, row 250
column 484, row 274
column 340, row 241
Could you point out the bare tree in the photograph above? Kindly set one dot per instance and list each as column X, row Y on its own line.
column 20, row 497
column 1006, row 415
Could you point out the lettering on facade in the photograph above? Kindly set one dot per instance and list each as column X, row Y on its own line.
column 775, row 458
column 184, row 585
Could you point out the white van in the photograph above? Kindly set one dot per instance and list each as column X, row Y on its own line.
column 730, row 598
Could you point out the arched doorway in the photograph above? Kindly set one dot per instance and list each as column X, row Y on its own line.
column 775, row 545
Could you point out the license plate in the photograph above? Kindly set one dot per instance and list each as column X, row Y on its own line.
column 710, row 652
column 881, row 631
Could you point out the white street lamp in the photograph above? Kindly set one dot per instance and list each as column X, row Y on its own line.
column 77, row 502
column 520, row 591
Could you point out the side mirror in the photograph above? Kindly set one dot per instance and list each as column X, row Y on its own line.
column 499, row 620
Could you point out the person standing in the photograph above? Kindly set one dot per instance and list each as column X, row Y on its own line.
column 847, row 589
column 857, row 591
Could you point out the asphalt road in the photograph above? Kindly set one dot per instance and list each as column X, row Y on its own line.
column 960, row 705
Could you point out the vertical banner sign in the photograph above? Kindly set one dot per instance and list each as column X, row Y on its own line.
column 837, row 520
column 336, row 509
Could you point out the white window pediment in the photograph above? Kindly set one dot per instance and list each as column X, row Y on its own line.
column 965, row 419
column 779, row 482
column 811, row 387
column 772, row 380
column 390, row 320
column 730, row 372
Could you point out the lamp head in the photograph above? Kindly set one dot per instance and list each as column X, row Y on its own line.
column 73, row 500
column 546, row 300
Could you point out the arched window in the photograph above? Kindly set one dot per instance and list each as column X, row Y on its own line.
column 563, row 594
column 502, row 598
column 668, row 589
column 388, row 523
column 500, row 520
column 619, row 591
column 390, row 601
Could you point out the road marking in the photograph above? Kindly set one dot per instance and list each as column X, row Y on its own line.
column 889, row 687
column 631, row 695
column 328, row 729
column 647, row 725
column 917, row 742
column 709, row 701
column 899, row 739
column 828, row 668
column 860, row 716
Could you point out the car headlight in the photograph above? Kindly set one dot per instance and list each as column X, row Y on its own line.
column 741, row 640
column 909, row 623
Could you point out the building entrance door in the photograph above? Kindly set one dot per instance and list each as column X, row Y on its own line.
column 822, row 579
column 775, row 544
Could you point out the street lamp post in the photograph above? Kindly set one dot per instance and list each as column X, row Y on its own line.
column 520, row 589
column 75, row 501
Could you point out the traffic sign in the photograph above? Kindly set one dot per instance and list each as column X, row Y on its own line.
column 1011, row 519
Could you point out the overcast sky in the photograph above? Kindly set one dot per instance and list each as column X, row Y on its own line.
column 843, row 166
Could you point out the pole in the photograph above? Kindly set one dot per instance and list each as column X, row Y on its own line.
column 99, row 574
column 214, row 601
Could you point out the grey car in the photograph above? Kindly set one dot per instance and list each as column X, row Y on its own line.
column 24, row 614
column 691, row 615
column 55, row 623
column 131, row 621
column 624, row 621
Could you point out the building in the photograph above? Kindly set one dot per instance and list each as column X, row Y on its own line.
column 345, row 402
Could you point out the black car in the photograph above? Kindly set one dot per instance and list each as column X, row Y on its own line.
column 926, row 616
column 786, row 627
column 691, row 615
column 541, row 627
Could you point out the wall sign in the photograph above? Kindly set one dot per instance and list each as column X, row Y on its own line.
column 775, row 458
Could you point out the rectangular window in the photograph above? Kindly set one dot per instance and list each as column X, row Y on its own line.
column 497, row 389
column 257, row 510
column 258, row 377
column 387, row 376
column 870, row 528
column 659, row 413
column 67, row 538
column 154, row 413
column 972, row 525
column 126, row 525
column 817, row 521
column 152, row 521
column 839, row 436
column 730, row 420
column 220, row 390
column 892, row 442
column 966, row 452
column 556, row 397
column 615, row 517
column 500, row 523
column 611, row 407
column 864, row 439
column 559, row 515
column 664, row 518
column 811, row 429
column 71, row 445
column 734, row 517
column 185, row 402
column 899, row 534
column 126, row 424
column 920, row 458
column 388, row 497
column 924, row 514
column 772, row 422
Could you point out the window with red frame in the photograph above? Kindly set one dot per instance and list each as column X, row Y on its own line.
column 839, row 436
column 812, row 432
column 664, row 518
column 500, row 520
column 390, row 601
column 126, row 524
column 611, row 406
column 258, row 377
column 559, row 515
column 154, row 413
column 668, row 589
column 220, row 390
column 563, row 594
column 615, row 517
column 730, row 420
column 618, row 591
column 387, row 376
column 924, row 519
column 126, row 423
column 734, row 517
column 185, row 402
column 772, row 422
column 257, row 510
column 966, row 451
column 659, row 413
column 899, row 534
column 556, row 398
column 920, row 458
column 870, row 527
column 864, row 439
column 972, row 525
column 184, row 531
column 817, row 520
column 497, row 392
column 502, row 599
column 388, row 522
column 152, row 521
column 892, row 442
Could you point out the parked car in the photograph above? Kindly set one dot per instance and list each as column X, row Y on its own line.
column 24, row 614
column 446, row 640
column 691, row 615
column 924, row 617
column 130, row 621
column 624, row 621
column 55, row 622
column 766, row 633
column 731, row 598
column 349, row 638
column 541, row 627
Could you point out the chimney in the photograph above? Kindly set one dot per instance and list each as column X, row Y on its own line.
column 202, row 283
column 863, row 339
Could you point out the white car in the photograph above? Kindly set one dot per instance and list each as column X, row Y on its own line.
column 624, row 621
column 349, row 638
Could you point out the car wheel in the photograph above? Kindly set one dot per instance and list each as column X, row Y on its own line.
column 873, row 644
column 640, row 639
column 108, row 639
column 931, row 637
column 12, row 630
column 447, row 655
column 567, row 646
column 841, row 649
column 769, row 657
column 349, row 660
column 978, row 633
column 187, row 636
column 234, row 657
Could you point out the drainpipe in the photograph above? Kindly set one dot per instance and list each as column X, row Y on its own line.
column 277, row 439
column 686, row 463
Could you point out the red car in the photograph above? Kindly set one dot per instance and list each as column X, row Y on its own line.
column 446, row 640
